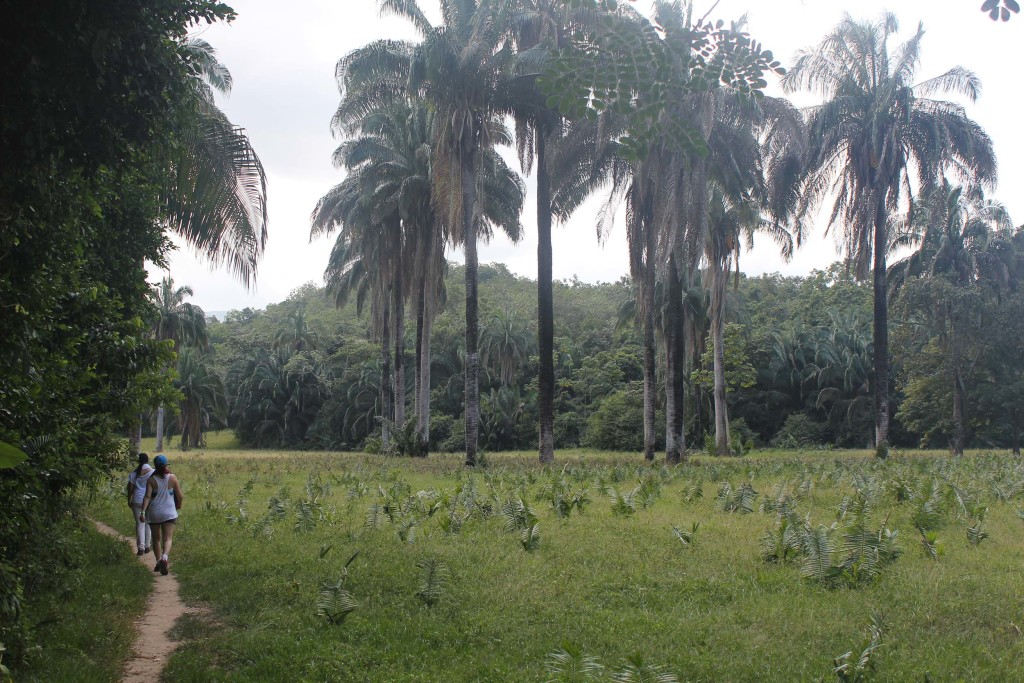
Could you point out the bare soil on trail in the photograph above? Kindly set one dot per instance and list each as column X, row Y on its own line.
column 153, row 644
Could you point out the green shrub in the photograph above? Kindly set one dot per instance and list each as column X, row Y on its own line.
column 618, row 424
column 799, row 430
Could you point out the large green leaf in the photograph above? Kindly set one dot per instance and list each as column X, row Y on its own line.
column 11, row 456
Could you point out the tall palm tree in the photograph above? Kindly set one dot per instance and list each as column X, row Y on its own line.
column 178, row 322
column 538, row 29
column 461, row 68
column 877, row 135
column 956, row 228
column 215, row 195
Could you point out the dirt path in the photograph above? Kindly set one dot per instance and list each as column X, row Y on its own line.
column 152, row 644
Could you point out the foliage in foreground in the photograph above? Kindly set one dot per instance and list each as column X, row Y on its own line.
column 443, row 575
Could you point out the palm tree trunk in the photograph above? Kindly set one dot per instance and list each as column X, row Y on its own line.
column 399, row 349
column 881, row 328
column 424, row 431
column 418, row 379
column 545, row 306
column 135, row 438
column 650, row 377
column 956, row 444
column 469, row 201
column 718, row 347
column 385, row 371
column 1015, row 428
column 675, row 397
column 160, row 428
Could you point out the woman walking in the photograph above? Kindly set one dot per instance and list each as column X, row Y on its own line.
column 160, row 507
column 136, row 489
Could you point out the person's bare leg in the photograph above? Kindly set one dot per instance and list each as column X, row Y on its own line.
column 167, row 530
column 157, row 541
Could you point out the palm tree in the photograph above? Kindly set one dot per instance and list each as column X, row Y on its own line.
column 215, row 194
column 956, row 227
column 459, row 67
column 539, row 28
column 296, row 336
column 876, row 136
column 204, row 399
column 178, row 322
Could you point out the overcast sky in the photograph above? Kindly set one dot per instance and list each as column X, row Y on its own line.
column 282, row 57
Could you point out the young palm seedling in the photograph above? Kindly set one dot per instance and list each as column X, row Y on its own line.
column 434, row 578
column 686, row 537
column 930, row 542
column 638, row 671
column 569, row 664
column 858, row 666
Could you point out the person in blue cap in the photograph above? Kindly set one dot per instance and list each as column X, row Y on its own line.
column 160, row 508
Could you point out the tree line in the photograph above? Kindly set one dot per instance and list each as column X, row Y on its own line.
column 664, row 115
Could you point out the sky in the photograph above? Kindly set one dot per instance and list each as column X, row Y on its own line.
column 282, row 57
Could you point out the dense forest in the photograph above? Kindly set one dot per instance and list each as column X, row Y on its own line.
column 305, row 375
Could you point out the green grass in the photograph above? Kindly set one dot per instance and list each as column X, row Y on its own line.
column 613, row 585
column 83, row 621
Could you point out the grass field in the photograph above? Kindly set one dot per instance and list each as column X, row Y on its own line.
column 83, row 621
column 477, row 576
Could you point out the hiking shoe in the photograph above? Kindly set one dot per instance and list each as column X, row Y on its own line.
column 163, row 568
column 158, row 564
column 142, row 551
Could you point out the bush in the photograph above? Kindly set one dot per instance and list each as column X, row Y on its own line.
column 618, row 424
column 799, row 430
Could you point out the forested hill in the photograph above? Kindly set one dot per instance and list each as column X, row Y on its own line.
column 305, row 374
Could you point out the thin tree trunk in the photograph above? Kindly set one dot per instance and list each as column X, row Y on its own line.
column 135, row 438
column 957, row 441
column 424, row 432
column 417, row 397
column 718, row 349
column 472, row 371
column 545, row 306
column 675, row 370
column 399, row 349
column 1015, row 427
column 881, row 328
column 160, row 428
column 385, row 372
column 650, row 377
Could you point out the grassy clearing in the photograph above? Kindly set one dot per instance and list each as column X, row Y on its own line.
column 265, row 539
column 84, row 618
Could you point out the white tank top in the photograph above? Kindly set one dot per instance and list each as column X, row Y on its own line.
column 161, row 506
column 138, row 483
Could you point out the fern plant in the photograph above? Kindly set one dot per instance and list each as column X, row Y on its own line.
column 693, row 490
column 741, row 500
column 375, row 516
column 569, row 664
column 638, row 671
column 623, row 504
column 530, row 538
column 930, row 542
column 334, row 603
column 929, row 508
column 976, row 532
column 686, row 537
column 782, row 543
column 517, row 514
column 434, row 578
column 858, row 665
column 305, row 516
